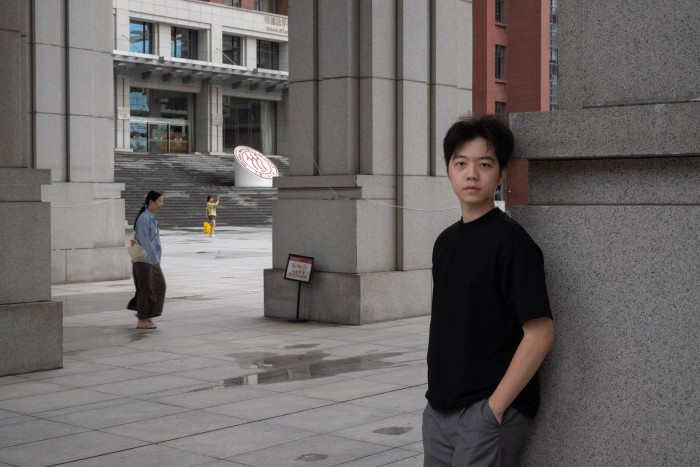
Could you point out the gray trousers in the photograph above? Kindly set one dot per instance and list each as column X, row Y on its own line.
column 472, row 437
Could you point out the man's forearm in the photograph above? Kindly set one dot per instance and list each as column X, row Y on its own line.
column 537, row 340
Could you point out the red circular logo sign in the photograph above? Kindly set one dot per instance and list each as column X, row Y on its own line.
column 256, row 162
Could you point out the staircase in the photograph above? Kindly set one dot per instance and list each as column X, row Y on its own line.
column 185, row 181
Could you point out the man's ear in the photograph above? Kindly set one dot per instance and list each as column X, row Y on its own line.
column 502, row 176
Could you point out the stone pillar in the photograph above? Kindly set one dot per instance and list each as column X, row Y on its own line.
column 615, row 205
column 210, row 123
column 31, row 325
column 73, row 107
column 373, row 87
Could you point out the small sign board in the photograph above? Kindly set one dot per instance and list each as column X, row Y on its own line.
column 299, row 268
column 123, row 113
column 217, row 119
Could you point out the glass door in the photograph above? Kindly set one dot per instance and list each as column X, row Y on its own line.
column 158, row 138
column 179, row 140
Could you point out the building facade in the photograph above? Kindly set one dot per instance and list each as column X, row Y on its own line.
column 200, row 77
column 515, row 68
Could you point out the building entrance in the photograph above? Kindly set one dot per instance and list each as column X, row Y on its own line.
column 160, row 121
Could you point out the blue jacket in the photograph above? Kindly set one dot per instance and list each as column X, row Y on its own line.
column 146, row 233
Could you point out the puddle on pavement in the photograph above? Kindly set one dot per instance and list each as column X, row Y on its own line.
column 301, row 367
column 311, row 457
column 301, row 346
column 393, row 430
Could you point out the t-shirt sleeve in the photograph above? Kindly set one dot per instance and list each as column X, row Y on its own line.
column 523, row 284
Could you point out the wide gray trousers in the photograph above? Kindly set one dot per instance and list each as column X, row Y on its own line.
column 472, row 437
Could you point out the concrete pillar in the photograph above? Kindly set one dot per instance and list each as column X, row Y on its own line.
column 210, row 125
column 373, row 88
column 31, row 325
column 73, row 109
column 615, row 205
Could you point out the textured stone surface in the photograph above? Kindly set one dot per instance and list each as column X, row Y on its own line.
column 302, row 127
column 627, row 54
column 620, row 387
column 31, row 337
column 657, row 180
column 25, row 255
column 630, row 131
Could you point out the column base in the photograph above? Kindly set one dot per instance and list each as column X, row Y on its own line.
column 31, row 337
column 350, row 298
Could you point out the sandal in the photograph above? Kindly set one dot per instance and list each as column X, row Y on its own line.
column 145, row 324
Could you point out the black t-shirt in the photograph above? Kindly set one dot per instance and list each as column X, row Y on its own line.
column 488, row 279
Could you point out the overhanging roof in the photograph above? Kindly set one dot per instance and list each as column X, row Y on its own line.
column 145, row 66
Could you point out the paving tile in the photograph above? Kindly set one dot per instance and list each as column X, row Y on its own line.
column 65, row 449
column 333, row 417
column 322, row 450
column 156, row 456
column 416, row 461
column 268, row 407
column 127, row 412
column 11, row 380
column 15, row 419
column 28, row 388
column 240, row 439
column 177, row 365
column 404, row 400
column 212, row 395
column 70, row 367
column 175, row 426
column 220, row 372
column 412, row 376
column 53, row 401
column 388, row 457
column 47, row 414
column 137, row 358
column 347, row 390
column 396, row 431
column 94, row 378
column 34, row 430
column 145, row 385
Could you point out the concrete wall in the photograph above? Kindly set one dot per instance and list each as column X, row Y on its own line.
column 31, row 333
column 73, row 114
column 615, row 205
column 373, row 88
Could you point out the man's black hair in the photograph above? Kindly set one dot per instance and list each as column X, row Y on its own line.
column 490, row 127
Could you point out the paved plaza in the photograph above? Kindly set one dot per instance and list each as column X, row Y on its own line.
column 217, row 384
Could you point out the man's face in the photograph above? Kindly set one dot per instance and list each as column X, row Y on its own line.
column 475, row 174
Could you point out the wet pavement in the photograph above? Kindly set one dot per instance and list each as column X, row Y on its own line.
column 217, row 384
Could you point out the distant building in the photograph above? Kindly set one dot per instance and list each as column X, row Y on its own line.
column 200, row 76
column 515, row 67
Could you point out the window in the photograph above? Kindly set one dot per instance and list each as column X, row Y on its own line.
column 231, row 50
column 500, row 12
column 236, row 3
column 500, row 62
column 141, row 37
column 268, row 55
column 250, row 122
column 268, row 6
column 183, row 43
column 501, row 110
column 553, row 56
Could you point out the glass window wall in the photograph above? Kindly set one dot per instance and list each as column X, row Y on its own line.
column 140, row 37
column 231, row 53
column 268, row 55
column 183, row 43
column 250, row 122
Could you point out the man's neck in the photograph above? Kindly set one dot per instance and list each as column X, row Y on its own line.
column 472, row 213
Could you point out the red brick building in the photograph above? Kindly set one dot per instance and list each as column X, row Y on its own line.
column 512, row 72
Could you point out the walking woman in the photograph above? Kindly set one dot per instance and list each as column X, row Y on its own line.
column 211, row 213
column 148, row 276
